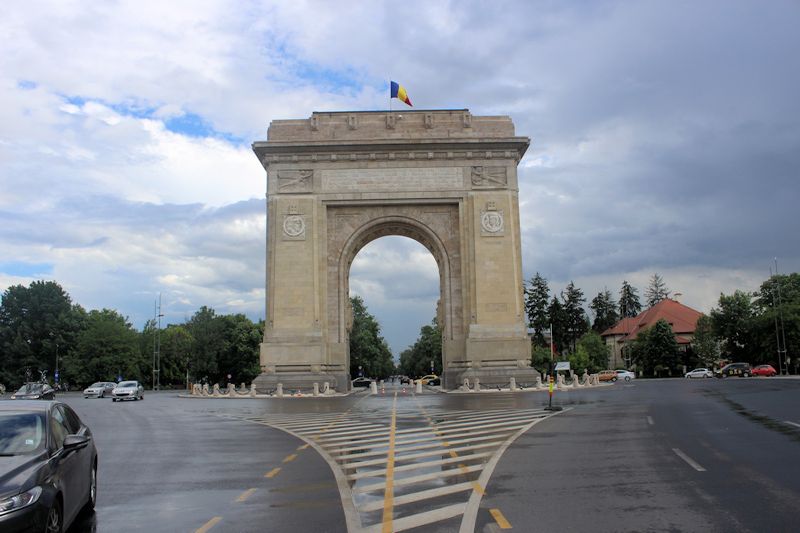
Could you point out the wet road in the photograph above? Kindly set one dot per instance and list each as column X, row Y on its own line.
column 679, row 455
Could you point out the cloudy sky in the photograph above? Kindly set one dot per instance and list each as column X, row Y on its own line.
column 665, row 138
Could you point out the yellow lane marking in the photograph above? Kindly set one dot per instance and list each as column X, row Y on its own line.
column 388, row 494
column 273, row 472
column 208, row 525
column 290, row 458
column 477, row 487
column 500, row 519
column 246, row 494
column 303, row 447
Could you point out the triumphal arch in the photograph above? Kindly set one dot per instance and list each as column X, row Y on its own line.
column 445, row 178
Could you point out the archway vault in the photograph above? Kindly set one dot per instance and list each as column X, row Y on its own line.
column 338, row 181
column 434, row 226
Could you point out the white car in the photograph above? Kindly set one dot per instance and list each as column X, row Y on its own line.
column 625, row 375
column 128, row 390
column 99, row 389
column 700, row 373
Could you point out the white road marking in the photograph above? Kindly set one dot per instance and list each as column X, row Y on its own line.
column 691, row 462
column 437, row 454
column 792, row 423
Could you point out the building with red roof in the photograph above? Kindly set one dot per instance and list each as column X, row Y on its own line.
column 681, row 318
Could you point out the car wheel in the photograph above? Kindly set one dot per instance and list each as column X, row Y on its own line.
column 627, row 378
column 746, row 375
column 113, row 399
column 614, row 379
column 54, row 517
column 103, row 394
column 92, row 488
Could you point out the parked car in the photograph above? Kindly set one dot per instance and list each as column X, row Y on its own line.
column 127, row 390
column 99, row 389
column 625, row 375
column 699, row 373
column 764, row 370
column 35, row 391
column 361, row 382
column 48, row 466
column 735, row 369
column 607, row 375
column 430, row 379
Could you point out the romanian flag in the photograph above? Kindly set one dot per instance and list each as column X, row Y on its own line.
column 399, row 92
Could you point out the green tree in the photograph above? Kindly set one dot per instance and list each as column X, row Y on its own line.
column 208, row 342
column 597, row 351
column 537, row 295
column 605, row 311
column 559, row 322
column 107, row 347
column 655, row 350
column 733, row 325
column 415, row 361
column 368, row 349
column 629, row 304
column 176, row 354
column 656, row 291
column 777, row 323
column 37, row 324
column 239, row 356
column 576, row 320
column 540, row 358
column 705, row 344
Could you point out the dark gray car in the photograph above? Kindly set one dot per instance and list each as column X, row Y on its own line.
column 48, row 466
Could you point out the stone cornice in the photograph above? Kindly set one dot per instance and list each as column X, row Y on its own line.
column 269, row 152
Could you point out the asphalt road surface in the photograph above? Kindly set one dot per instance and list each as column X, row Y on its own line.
column 649, row 455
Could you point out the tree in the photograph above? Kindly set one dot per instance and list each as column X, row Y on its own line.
column 176, row 353
column 629, row 304
column 559, row 325
column 777, row 322
column 416, row 360
column 655, row 350
column 369, row 352
column 597, row 351
column 733, row 325
column 705, row 344
column 208, row 342
column 656, row 291
column 541, row 358
column 605, row 311
column 107, row 347
column 537, row 295
column 37, row 323
column 576, row 320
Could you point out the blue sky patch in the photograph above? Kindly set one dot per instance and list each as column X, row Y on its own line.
column 23, row 269
column 193, row 125
column 26, row 84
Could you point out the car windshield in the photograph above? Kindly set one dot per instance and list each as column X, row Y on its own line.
column 20, row 433
column 31, row 388
column 96, row 385
column 127, row 385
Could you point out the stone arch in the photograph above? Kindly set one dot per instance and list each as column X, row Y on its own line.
column 435, row 226
column 402, row 226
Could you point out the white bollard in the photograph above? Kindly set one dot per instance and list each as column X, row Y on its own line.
column 477, row 387
column 373, row 388
column 419, row 386
column 513, row 384
column 316, row 389
column 279, row 390
column 465, row 386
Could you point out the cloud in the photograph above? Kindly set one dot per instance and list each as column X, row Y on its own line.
column 664, row 138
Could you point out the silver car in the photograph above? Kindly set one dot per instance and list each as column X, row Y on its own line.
column 700, row 373
column 128, row 390
column 100, row 389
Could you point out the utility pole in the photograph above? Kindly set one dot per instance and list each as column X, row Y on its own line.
column 782, row 340
column 158, row 345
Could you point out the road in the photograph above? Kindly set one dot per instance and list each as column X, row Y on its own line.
column 650, row 455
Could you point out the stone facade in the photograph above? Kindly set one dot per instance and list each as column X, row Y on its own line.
column 337, row 181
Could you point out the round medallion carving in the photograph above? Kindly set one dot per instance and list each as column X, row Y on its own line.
column 492, row 221
column 294, row 225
